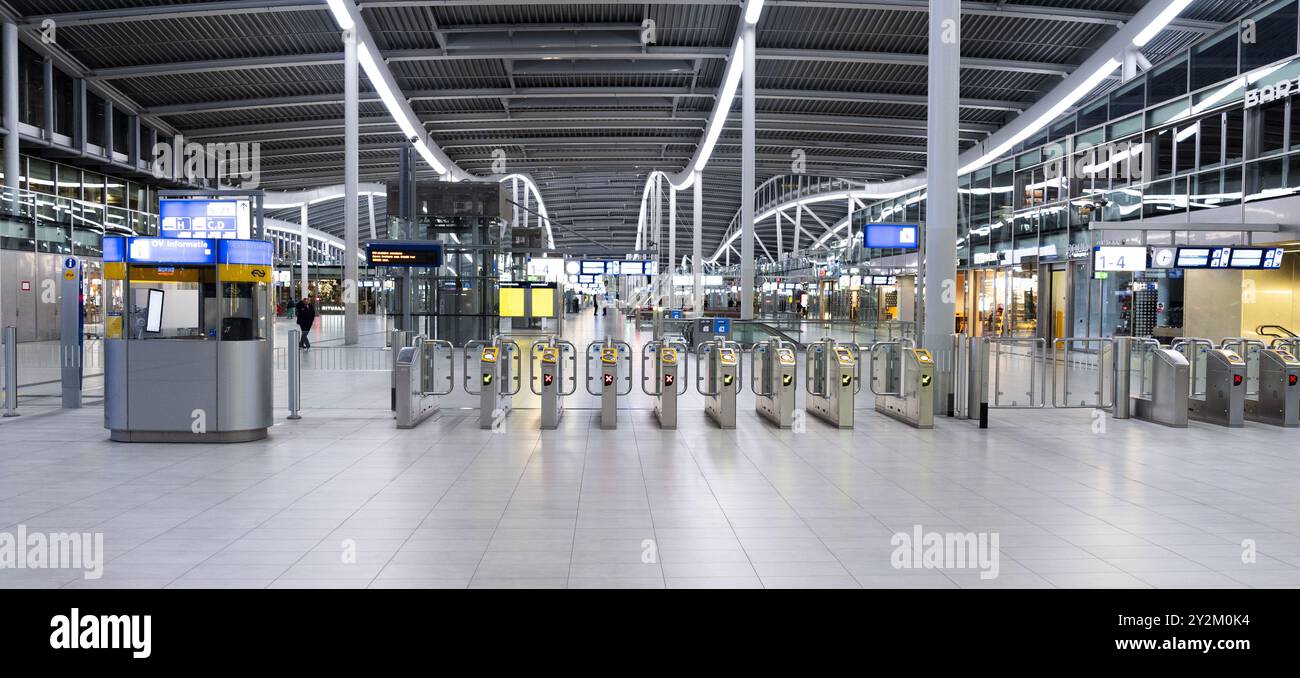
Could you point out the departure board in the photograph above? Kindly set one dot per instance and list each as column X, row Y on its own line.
column 404, row 253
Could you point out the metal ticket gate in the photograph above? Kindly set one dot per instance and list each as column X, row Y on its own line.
column 773, row 374
column 498, row 377
column 418, row 383
column 902, row 379
column 833, row 380
column 1272, row 373
column 550, row 363
column 609, row 357
column 1218, row 377
column 666, row 382
column 1162, row 386
column 968, row 379
column 717, row 378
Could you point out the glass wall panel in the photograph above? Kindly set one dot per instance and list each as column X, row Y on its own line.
column 1167, row 81
column 1215, row 59
column 31, row 86
column 1274, row 36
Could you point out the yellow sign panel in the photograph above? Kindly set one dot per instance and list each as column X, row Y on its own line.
column 609, row 356
column 543, row 302
column 512, row 302
column 550, row 355
column 115, row 270
column 69, row 274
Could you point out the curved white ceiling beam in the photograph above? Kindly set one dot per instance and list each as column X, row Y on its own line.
column 294, row 230
column 683, row 179
column 881, row 191
column 348, row 17
column 275, row 200
column 541, row 204
column 1145, row 24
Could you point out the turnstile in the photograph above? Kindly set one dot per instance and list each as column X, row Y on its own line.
column 551, row 363
column 666, row 382
column 1272, row 373
column 498, row 377
column 773, row 374
column 418, row 383
column 1218, row 383
column 717, row 378
column 832, row 380
column 1161, row 394
column 609, row 357
column 902, row 379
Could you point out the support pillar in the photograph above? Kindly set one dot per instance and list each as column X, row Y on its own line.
column 672, row 246
column 697, row 246
column 747, row 179
column 10, row 46
column 938, row 292
column 351, row 189
column 302, row 221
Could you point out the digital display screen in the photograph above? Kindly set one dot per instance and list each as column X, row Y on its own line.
column 650, row 268
column 1193, row 257
column 200, row 218
column 1112, row 258
column 592, row 268
column 245, row 252
column 405, row 254
column 586, row 279
column 631, row 267
column 1230, row 257
column 153, row 321
column 891, row 236
column 171, row 251
column 879, row 280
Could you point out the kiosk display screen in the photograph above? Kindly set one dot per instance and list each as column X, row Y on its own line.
column 891, row 236
column 404, row 254
column 154, row 319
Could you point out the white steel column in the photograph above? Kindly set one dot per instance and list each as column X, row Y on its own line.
column 697, row 247
column 351, row 284
column 305, row 250
column 747, row 180
column 780, row 241
column 798, row 226
column 658, row 231
column 11, row 108
column 940, row 241
column 514, row 198
column 672, row 246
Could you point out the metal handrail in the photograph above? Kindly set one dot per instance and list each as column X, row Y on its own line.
column 902, row 367
column 1249, row 349
column 429, row 348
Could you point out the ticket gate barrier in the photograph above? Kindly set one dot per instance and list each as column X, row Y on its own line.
column 397, row 340
column 666, row 381
column 1218, row 383
column 968, row 379
column 418, row 383
column 551, row 363
column 609, row 357
column 1274, row 372
column 902, row 379
column 833, row 379
column 499, row 377
column 773, row 377
column 1162, row 386
column 717, row 378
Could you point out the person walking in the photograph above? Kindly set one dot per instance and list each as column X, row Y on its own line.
column 306, row 316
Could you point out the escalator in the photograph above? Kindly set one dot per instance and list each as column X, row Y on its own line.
column 747, row 333
column 1275, row 332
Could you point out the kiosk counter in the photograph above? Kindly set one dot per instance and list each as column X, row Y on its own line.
column 188, row 339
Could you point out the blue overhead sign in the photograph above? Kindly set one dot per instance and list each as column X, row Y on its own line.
column 245, row 252
column 891, row 236
column 177, row 252
column 202, row 218
column 114, row 249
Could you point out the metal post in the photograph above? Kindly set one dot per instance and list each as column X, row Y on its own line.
column 295, row 373
column 1122, row 408
column 697, row 248
column 747, row 178
column 351, row 173
column 11, row 371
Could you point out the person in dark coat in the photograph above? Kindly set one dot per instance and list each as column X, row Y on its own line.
column 306, row 315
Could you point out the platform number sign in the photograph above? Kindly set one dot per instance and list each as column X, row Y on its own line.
column 1107, row 258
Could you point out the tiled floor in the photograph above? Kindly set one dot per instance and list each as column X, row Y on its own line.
column 343, row 499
